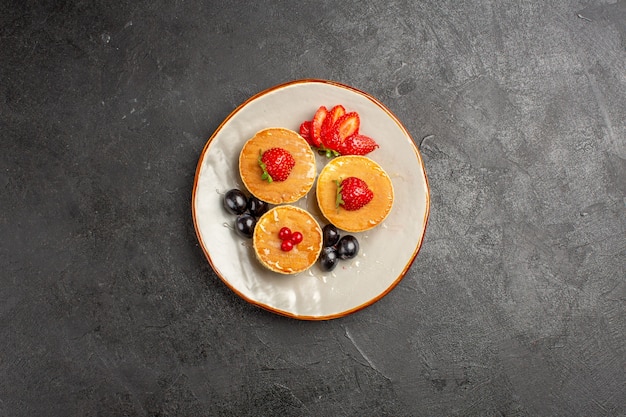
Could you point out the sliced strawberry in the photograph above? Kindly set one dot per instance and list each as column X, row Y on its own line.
column 316, row 126
column 330, row 141
column 305, row 131
column 347, row 125
column 357, row 145
column 328, row 133
column 336, row 112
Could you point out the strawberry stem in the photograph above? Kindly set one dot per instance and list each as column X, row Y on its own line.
column 339, row 198
column 265, row 176
column 329, row 153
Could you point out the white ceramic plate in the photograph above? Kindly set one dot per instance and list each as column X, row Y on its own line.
column 387, row 251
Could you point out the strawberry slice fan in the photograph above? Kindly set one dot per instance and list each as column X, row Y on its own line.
column 336, row 132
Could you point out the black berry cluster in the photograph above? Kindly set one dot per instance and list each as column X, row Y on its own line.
column 336, row 248
column 247, row 210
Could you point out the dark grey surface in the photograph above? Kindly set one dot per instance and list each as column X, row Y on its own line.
column 515, row 305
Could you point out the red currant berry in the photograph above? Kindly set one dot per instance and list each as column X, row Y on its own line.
column 284, row 233
column 296, row 237
column 287, row 245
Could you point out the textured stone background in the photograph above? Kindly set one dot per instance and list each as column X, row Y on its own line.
column 515, row 305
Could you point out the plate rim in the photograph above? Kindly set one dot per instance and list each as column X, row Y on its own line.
column 275, row 310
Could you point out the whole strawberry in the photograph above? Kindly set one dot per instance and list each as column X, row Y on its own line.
column 353, row 193
column 276, row 164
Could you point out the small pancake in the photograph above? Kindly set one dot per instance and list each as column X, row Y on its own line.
column 267, row 244
column 300, row 179
column 378, row 181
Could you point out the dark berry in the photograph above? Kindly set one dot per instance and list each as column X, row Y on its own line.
column 257, row 207
column 244, row 225
column 348, row 247
column 235, row 202
column 328, row 258
column 331, row 235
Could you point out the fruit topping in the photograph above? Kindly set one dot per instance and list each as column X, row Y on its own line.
column 330, row 140
column 328, row 258
column 333, row 115
column 347, row 125
column 336, row 132
column 276, row 164
column 348, row 247
column 257, row 207
column 289, row 239
column 316, row 126
column 235, row 201
column 284, row 233
column 305, row 131
column 244, row 225
column 357, row 145
column 330, row 234
column 296, row 237
column 353, row 193
column 286, row 245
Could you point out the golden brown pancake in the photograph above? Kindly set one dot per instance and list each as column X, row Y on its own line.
column 267, row 244
column 300, row 179
column 377, row 180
